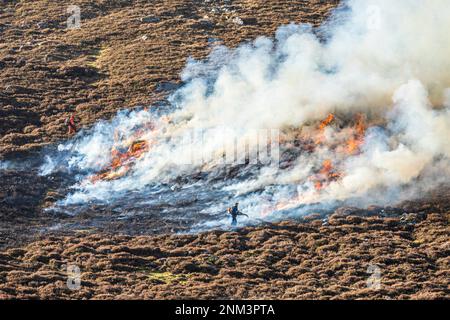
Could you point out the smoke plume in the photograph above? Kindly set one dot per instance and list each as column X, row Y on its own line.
column 379, row 72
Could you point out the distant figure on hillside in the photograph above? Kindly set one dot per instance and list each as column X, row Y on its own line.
column 234, row 212
column 70, row 122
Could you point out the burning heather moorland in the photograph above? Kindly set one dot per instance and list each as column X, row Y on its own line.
column 129, row 129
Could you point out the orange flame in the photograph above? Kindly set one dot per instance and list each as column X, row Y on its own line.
column 122, row 162
column 327, row 166
column 343, row 142
column 326, row 174
column 325, row 123
column 355, row 142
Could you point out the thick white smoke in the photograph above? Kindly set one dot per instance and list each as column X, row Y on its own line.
column 380, row 47
column 419, row 136
column 387, row 59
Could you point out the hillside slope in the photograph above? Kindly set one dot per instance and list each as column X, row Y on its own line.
column 126, row 53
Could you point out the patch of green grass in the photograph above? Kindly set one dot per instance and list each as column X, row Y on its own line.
column 167, row 277
column 212, row 259
column 93, row 59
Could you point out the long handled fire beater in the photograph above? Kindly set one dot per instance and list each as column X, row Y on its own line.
column 234, row 212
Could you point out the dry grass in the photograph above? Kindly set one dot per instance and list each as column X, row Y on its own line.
column 286, row 261
column 123, row 50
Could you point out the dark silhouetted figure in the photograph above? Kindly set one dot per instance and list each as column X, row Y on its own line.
column 234, row 212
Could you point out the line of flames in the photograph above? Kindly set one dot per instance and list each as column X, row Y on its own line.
column 138, row 145
column 328, row 172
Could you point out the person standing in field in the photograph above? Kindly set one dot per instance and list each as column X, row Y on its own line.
column 70, row 122
column 234, row 212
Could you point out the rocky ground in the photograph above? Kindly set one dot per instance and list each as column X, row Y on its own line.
column 130, row 53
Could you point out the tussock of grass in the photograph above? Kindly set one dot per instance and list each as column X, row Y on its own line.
column 94, row 60
column 167, row 277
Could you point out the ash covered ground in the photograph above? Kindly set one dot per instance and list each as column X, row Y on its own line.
column 131, row 53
